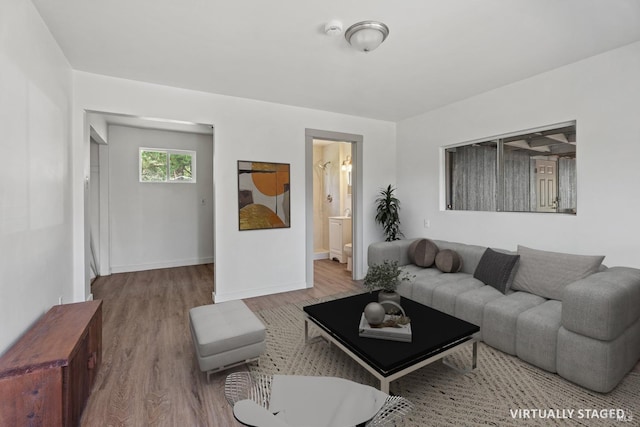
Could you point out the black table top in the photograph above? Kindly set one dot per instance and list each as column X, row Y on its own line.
column 432, row 332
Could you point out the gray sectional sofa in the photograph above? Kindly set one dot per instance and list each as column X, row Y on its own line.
column 587, row 330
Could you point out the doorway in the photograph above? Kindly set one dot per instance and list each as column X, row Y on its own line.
column 107, row 222
column 546, row 178
column 94, row 205
column 333, row 202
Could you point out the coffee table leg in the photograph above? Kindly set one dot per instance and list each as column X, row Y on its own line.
column 474, row 361
column 314, row 339
column 384, row 386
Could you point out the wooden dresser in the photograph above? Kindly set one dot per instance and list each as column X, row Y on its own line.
column 46, row 377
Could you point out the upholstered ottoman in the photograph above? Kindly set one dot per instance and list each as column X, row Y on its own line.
column 224, row 335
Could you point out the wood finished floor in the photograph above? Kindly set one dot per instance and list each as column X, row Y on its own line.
column 149, row 376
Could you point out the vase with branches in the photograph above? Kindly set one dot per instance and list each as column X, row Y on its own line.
column 386, row 277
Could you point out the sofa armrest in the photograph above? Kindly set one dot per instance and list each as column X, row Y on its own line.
column 604, row 304
column 397, row 250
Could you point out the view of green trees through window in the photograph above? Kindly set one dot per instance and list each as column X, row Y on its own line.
column 153, row 166
column 167, row 165
column 180, row 167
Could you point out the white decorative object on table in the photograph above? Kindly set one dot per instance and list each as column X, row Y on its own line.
column 401, row 333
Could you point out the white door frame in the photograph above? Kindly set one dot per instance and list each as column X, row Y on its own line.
column 102, row 249
column 356, row 196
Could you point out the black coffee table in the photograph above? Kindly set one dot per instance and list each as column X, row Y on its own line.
column 434, row 335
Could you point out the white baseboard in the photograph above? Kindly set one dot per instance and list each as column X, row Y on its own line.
column 321, row 255
column 156, row 265
column 258, row 292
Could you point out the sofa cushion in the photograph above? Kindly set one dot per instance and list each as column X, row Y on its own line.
column 397, row 250
column 448, row 261
column 496, row 269
column 470, row 254
column 443, row 298
column 595, row 364
column 546, row 274
column 470, row 305
column 603, row 305
column 537, row 334
column 500, row 319
column 424, row 284
column 425, row 253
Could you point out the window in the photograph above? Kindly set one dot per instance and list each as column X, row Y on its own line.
column 160, row 165
column 532, row 171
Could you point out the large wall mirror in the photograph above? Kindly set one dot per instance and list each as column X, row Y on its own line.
column 532, row 171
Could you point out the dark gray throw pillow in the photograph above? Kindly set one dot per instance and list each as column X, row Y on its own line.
column 496, row 269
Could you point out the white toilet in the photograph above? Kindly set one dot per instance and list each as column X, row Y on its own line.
column 348, row 251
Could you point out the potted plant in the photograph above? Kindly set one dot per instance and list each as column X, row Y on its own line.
column 388, row 213
column 386, row 277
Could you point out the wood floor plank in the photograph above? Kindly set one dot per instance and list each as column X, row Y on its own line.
column 149, row 375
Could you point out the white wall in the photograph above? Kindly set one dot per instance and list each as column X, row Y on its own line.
column 35, row 215
column 159, row 225
column 602, row 94
column 248, row 263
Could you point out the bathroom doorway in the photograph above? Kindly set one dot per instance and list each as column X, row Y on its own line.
column 332, row 167
column 333, row 176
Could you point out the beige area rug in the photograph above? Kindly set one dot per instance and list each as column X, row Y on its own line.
column 502, row 391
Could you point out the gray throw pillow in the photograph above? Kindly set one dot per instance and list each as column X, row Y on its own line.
column 496, row 269
column 425, row 253
column 448, row 261
column 546, row 274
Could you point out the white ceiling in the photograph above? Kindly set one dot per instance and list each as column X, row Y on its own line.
column 438, row 51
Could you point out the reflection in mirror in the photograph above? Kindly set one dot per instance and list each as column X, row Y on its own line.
column 533, row 171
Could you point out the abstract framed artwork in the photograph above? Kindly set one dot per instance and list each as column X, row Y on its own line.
column 263, row 195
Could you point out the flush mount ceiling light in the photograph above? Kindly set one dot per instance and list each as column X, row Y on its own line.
column 366, row 35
